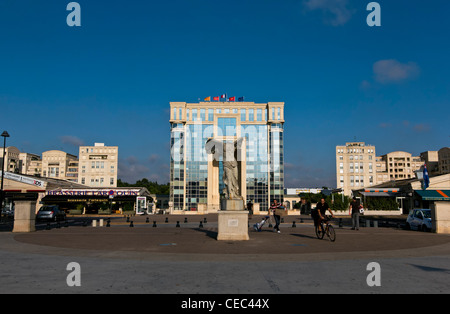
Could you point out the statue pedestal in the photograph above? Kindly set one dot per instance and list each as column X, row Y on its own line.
column 233, row 221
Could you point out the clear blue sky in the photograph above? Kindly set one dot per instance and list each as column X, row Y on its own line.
column 111, row 80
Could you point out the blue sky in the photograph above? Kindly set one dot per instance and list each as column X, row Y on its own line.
column 111, row 80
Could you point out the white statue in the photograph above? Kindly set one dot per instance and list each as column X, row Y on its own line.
column 229, row 151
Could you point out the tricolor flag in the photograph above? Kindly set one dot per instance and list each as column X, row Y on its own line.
column 208, row 98
column 224, row 96
column 241, row 98
column 426, row 178
column 232, row 99
column 216, row 98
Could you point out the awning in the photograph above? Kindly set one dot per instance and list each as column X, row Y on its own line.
column 434, row 195
column 378, row 194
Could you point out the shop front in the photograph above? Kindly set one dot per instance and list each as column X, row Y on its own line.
column 100, row 200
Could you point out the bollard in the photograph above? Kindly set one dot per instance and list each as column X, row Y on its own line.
column 101, row 223
column 131, row 224
column 185, row 219
column 178, row 224
column 108, row 222
column 147, row 220
column 301, row 220
column 204, row 220
column 340, row 223
column 201, row 224
column 375, row 223
column 154, row 224
column 94, row 223
column 167, row 220
column 128, row 218
column 293, row 224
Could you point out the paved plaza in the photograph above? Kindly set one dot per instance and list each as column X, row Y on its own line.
column 167, row 259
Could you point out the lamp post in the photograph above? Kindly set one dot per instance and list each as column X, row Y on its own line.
column 4, row 135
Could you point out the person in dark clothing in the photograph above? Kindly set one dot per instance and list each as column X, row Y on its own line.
column 320, row 212
column 355, row 206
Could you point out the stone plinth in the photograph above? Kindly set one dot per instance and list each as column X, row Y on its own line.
column 237, row 204
column 440, row 217
column 233, row 225
column 24, row 216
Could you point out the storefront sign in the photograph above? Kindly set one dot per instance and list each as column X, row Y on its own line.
column 108, row 192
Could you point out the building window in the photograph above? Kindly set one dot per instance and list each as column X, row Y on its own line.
column 242, row 114
column 251, row 115
column 210, row 114
column 258, row 114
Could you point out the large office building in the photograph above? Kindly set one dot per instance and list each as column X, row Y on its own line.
column 196, row 177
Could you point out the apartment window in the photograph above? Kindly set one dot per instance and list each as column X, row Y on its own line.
column 187, row 114
column 194, row 114
column 341, row 167
column 279, row 113
column 174, row 113
column 370, row 167
column 111, row 181
column 352, row 181
column 351, row 167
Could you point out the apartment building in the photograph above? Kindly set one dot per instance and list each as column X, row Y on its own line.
column 444, row 160
column 98, row 165
column 355, row 166
column 58, row 164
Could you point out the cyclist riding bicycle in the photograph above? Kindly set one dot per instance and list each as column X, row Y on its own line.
column 319, row 213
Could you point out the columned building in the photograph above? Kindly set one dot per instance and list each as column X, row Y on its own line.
column 196, row 178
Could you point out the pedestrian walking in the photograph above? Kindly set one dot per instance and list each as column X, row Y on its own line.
column 355, row 207
column 275, row 208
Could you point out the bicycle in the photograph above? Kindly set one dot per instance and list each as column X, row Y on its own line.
column 327, row 229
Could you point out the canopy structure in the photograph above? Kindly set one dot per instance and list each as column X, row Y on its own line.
column 434, row 195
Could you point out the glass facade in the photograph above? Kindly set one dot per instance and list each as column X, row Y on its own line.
column 264, row 167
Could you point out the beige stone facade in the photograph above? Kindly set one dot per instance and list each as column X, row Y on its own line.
column 355, row 165
column 444, row 160
column 12, row 160
column 98, row 165
column 56, row 164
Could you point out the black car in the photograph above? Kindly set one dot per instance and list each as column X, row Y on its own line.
column 51, row 212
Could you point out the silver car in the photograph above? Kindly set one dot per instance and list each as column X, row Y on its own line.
column 50, row 212
column 419, row 219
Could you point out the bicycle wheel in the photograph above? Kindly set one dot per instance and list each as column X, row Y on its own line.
column 319, row 232
column 331, row 234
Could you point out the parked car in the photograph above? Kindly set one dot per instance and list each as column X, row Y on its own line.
column 50, row 212
column 419, row 219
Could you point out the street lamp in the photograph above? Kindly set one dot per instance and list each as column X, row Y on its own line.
column 4, row 135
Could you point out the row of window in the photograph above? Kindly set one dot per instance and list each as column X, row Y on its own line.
column 208, row 114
